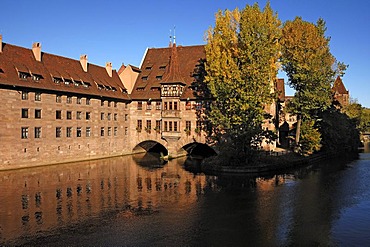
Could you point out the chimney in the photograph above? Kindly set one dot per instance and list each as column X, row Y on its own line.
column 1, row 43
column 36, row 49
column 108, row 67
column 83, row 61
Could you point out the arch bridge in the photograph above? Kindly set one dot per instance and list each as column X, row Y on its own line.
column 172, row 145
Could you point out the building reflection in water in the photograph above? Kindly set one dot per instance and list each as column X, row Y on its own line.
column 45, row 198
column 281, row 209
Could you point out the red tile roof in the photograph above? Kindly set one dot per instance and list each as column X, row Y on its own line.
column 157, row 68
column 339, row 87
column 14, row 59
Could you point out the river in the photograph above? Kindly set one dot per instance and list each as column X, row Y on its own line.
column 133, row 201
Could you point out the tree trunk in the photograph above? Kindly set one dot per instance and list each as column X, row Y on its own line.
column 298, row 130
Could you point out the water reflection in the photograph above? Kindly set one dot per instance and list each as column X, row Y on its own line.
column 137, row 200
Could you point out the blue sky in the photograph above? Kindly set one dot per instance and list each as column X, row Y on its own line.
column 120, row 31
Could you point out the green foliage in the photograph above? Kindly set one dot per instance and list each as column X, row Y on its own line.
column 365, row 120
column 310, row 138
column 338, row 131
column 242, row 52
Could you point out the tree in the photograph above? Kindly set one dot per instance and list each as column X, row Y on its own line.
column 307, row 60
column 242, row 52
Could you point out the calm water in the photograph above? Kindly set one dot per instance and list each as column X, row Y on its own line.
column 133, row 201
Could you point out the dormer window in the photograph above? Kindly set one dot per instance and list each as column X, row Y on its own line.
column 162, row 67
column 148, row 67
column 100, row 86
column 140, row 89
column 77, row 83
column 114, row 89
column 158, row 77
column 1, row 70
column 144, row 78
column 86, row 84
column 24, row 75
column 36, row 77
column 67, row 81
column 57, row 80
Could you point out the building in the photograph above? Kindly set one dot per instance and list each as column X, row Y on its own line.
column 56, row 109
column 164, row 106
column 341, row 94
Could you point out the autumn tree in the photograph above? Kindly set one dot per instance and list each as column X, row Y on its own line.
column 241, row 64
column 308, row 63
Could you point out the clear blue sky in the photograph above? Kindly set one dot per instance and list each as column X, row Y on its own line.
column 120, row 31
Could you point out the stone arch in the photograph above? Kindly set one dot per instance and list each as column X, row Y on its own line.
column 199, row 149
column 150, row 146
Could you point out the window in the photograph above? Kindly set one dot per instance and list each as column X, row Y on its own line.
column 79, row 100
column 162, row 67
column 139, row 126
column 188, row 105
column 36, row 77
column 69, row 115
column 24, row 113
column 175, row 126
column 37, row 96
column 126, row 117
column 102, row 131
column 109, row 131
column 165, row 105
column 148, row 67
column 24, row 132
column 144, row 78
column 88, row 131
column 37, row 132
column 139, row 105
column 198, row 105
column 109, row 116
column 69, row 131
column 115, row 131
column 102, row 102
column 102, row 116
column 126, row 105
column 149, row 105
column 24, row 75
column 69, row 99
column 165, row 126
column 58, row 114
column 57, row 80
column 126, row 131
column 169, row 126
column 158, row 77
column 158, row 125
column 79, row 115
column 88, row 115
column 148, row 125
column 115, row 104
column 58, row 98
column 37, row 113
column 78, row 132
column 188, row 125
column 175, row 105
column 87, row 101
column 199, row 125
column 109, row 103
column 58, row 132
column 158, row 105
column 24, row 95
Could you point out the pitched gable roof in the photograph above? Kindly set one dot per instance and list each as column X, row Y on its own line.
column 156, row 69
column 94, row 82
column 339, row 87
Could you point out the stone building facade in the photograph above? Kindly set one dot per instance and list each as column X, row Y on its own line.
column 55, row 109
